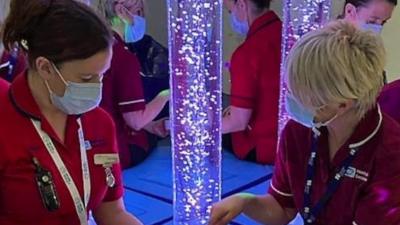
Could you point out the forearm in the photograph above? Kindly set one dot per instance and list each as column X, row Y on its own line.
column 266, row 210
column 139, row 119
column 153, row 108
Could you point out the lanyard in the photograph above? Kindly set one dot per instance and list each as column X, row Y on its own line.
column 80, row 206
column 310, row 213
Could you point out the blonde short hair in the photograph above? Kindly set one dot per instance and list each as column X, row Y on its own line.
column 336, row 63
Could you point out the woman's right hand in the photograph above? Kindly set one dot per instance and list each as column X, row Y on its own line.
column 227, row 209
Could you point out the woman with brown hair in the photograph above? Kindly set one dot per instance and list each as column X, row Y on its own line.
column 59, row 157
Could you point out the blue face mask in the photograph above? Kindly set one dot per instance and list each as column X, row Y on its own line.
column 376, row 28
column 304, row 116
column 298, row 112
column 136, row 31
column 78, row 98
column 238, row 26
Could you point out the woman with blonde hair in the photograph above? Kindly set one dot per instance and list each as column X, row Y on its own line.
column 123, row 96
column 339, row 159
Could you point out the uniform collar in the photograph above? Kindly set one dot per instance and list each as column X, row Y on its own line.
column 23, row 101
column 367, row 128
column 365, row 131
column 267, row 18
column 22, row 98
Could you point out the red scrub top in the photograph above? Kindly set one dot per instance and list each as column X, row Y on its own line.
column 123, row 93
column 255, row 77
column 20, row 201
column 370, row 195
column 389, row 99
column 19, row 67
column 3, row 87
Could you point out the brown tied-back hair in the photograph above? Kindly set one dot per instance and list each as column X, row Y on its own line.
column 360, row 3
column 59, row 30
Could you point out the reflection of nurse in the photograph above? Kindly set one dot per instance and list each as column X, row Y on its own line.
column 340, row 162
column 369, row 14
column 123, row 95
column 59, row 158
column 11, row 62
column 250, row 123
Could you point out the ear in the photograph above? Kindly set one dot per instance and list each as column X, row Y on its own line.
column 242, row 4
column 350, row 11
column 346, row 105
column 228, row 5
column 44, row 68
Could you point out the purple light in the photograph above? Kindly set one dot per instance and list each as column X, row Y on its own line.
column 195, row 34
column 300, row 17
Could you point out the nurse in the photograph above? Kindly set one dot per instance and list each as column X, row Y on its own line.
column 369, row 14
column 123, row 95
column 250, row 123
column 59, row 157
column 339, row 159
column 372, row 15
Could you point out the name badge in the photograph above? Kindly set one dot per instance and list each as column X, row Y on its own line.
column 106, row 160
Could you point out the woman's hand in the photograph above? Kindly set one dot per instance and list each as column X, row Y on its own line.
column 226, row 210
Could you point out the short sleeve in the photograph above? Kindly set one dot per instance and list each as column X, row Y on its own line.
column 388, row 100
column 116, row 192
column 243, row 80
column 129, row 88
column 280, row 185
column 380, row 205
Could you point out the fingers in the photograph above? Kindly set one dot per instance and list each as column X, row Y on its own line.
column 161, row 130
column 226, row 111
column 221, row 220
column 220, row 215
column 124, row 13
column 217, row 215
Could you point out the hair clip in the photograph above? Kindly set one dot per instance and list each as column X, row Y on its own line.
column 24, row 44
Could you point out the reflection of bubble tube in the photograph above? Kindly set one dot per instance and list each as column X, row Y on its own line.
column 300, row 16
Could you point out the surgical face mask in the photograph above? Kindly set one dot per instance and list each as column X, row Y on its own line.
column 376, row 28
column 78, row 98
column 302, row 115
column 136, row 31
column 298, row 112
column 238, row 26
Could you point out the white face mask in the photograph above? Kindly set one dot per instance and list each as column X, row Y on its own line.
column 78, row 98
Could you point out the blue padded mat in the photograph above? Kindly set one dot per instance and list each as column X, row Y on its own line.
column 154, row 176
column 148, row 210
column 149, row 185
